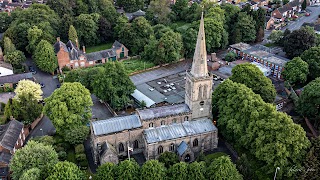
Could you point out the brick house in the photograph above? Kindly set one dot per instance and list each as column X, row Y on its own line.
column 12, row 137
column 69, row 55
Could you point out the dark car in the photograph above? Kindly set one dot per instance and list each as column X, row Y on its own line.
column 31, row 69
column 58, row 85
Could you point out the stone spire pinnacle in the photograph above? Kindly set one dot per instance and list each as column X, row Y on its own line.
column 199, row 65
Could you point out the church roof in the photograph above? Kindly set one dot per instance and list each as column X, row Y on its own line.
column 163, row 111
column 199, row 65
column 173, row 131
column 182, row 148
column 116, row 124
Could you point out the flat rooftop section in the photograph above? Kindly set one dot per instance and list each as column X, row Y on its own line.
column 116, row 124
column 170, row 89
column 179, row 130
column 262, row 52
column 4, row 97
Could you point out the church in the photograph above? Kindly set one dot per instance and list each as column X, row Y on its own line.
column 185, row 129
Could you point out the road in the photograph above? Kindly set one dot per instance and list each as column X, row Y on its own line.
column 294, row 25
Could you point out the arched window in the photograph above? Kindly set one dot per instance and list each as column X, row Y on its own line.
column 186, row 118
column 135, row 144
column 171, row 148
column 200, row 92
column 151, row 124
column 160, row 149
column 121, row 147
column 174, row 120
column 163, row 122
column 195, row 143
column 205, row 91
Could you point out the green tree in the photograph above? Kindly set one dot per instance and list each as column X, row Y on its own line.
column 153, row 170
column 45, row 57
column 61, row 7
column 251, row 76
column 28, row 87
column 105, row 30
column 131, row 5
column 298, row 41
column 160, row 30
column 189, row 38
column 65, row 171
column 31, row 174
column 114, row 87
column 142, row 31
column 11, row 109
column 128, row 170
column 296, row 70
column 159, row 11
column 8, row 46
column 260, row 21
column 73, row 35
column 304, row 5
column 180, row 8
column 178, row 171
column 244, row 167
column 65, row 25
column 309, row 101
column 223, row 168
column 77, row 135
column 80, row 8
column 168, row 159
column 246, row 27
column 276, row 36
column 231, row 19
column 6, row 20
column 194, row 13
column 312, row 57
column 30, row 109
column 87, row 29
column 124, row 32
column 69, row 106
column 35, row 35
column 255, row 127
column 46, row 140
column 105, row 172
column 230, row 56
column 15, row 58
column 38, row 155
column 197, row 171
column 214, row 33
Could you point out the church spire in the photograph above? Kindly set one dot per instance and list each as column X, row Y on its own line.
column 199, row 65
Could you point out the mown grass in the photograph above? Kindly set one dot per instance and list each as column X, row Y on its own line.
column 134, row 65
column 99, row 47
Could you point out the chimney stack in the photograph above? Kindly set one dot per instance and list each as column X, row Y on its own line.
column 84, row 49
column 213, row 57
column 77, row 43
column 58, row 39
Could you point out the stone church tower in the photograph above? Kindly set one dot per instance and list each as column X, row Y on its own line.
column 198, row 82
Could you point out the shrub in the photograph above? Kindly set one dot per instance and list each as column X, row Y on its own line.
column 231, row 56
column 84, row 163
column 81, row 157
column 79, row 149
column 62, row 155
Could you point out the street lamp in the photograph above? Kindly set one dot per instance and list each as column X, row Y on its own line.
column 41, row 131
column 275, row 174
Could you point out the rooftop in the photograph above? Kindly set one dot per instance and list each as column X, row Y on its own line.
column 173, row 131
column 9, row 134
column 15, row 78
column 163, row 111
column 116, row 124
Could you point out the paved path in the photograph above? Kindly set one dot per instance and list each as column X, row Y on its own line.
column 160, row 72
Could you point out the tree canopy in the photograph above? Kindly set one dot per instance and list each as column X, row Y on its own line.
column 31, row 174
column 73, row 36
column 87, row 27
column 45, row 58
column 312, row 57
column 298, row 41
column 65, row 171
column 15, row 58
column 178, row 171
column 28, row 87
column 68, row 106
column 114, row 87
column 296, row 70
column 222, row 168
column 153, row 170
column 105, row 171
column 33, row 155
column 127, row 170
column 257, row 128
column 168, row 159
column 251, row 76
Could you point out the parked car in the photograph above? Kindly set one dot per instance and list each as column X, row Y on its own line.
column 58, row 85
column 307, row 14
column 31, row 69
column 294, row 16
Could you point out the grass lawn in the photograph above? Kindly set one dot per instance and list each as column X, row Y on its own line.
column 269, row 45
column 180, row 25
column 209, row 158
column 99, row 47
column 134, row 65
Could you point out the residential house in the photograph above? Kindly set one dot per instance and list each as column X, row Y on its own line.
column 262, row 3
column 262, row 55
column 10, row 81
column 134, row 15
column 5, row 69
column 12, row 137
column 69, row 55
column 295, row 5
column 8, row 5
